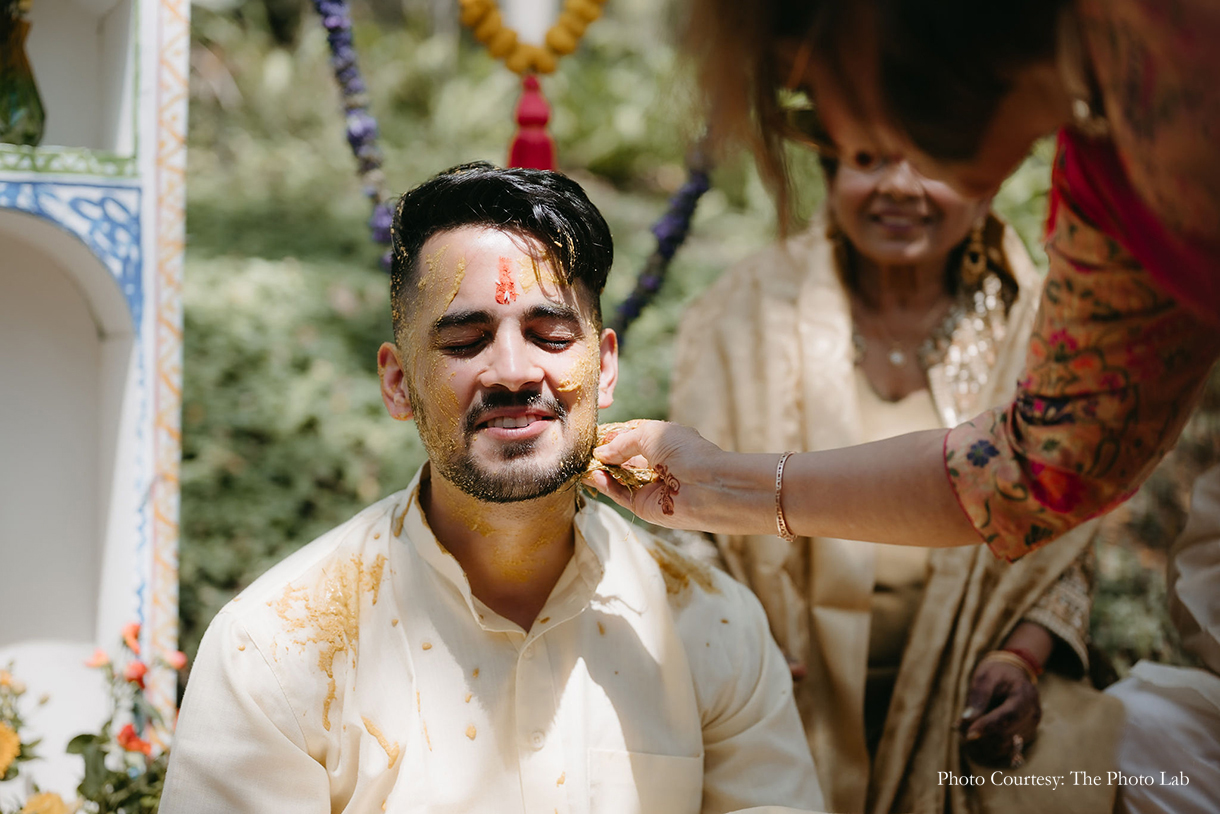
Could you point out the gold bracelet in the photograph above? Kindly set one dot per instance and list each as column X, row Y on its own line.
column 781, row 524
column 1004, row 657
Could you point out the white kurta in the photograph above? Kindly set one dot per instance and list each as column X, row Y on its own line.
column 361, row 675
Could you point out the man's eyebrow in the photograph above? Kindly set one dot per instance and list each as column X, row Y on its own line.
column 462, row 319
column 465, row 319
column 565, row 313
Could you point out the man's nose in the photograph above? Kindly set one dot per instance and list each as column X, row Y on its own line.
column 899, row 180
column 510, row 363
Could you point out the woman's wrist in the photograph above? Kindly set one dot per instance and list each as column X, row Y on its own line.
column 1032, row 642
column 741, row 499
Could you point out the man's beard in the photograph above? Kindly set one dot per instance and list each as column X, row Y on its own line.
column 515, row 478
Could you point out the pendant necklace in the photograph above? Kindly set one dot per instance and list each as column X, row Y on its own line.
column 897, row 353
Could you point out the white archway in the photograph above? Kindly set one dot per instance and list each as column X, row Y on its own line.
column 66, row 353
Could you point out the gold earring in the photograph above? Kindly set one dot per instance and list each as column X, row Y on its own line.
column 974, row 258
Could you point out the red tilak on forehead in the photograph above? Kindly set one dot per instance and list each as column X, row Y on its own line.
column 506, row 286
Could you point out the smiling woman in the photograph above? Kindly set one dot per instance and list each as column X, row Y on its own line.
column 903, row 307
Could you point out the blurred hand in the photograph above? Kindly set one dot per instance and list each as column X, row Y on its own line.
column 1002, row 703
column 683, row 460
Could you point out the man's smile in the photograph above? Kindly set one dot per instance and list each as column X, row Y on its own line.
column 514, row 423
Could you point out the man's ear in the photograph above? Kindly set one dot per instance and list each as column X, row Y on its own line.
column 393, row 383
column 609, row 369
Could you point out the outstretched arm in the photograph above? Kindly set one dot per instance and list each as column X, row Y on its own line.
column 1113, row 369
column 888, row 491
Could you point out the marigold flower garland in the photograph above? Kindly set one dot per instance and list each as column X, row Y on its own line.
column 483, row 18
column 532, row 146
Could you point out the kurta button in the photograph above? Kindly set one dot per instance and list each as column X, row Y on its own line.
column 529, row 651
column 537, row 739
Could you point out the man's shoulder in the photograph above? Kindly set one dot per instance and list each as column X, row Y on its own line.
column 354, row 550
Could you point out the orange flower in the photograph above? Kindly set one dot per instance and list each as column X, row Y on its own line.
column 135, row 672
column 10, row 747
column 100, row 658
column 47, row 802
column 176, row 659
column 132, row 742
column 131, row 637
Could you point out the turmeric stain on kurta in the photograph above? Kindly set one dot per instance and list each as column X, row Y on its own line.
column 391, row 749
column 419, row 710
column 327, row 614
column 398, row 521
column 679, row 570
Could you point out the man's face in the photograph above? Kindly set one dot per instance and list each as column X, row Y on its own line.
column 501, row 365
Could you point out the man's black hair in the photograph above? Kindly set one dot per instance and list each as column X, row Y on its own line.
column 545, row 206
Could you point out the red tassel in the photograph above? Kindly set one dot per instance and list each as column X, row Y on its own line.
column 532, row 146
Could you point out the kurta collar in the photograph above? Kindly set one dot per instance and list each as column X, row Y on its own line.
column 576, row 587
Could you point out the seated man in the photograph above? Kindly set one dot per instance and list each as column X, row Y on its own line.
column 485, row 639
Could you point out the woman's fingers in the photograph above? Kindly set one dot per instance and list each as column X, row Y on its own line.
column 608, row 486
column 1003, row 710
column 979, row 696
column 622, row 445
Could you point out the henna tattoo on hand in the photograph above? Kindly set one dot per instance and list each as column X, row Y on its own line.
column 670, row 486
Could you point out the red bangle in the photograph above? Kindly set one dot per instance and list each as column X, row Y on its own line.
column 1027, row 657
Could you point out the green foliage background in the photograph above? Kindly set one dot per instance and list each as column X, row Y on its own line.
column 285, row 306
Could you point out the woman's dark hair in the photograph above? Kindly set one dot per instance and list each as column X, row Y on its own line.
column 549, row 208
column 944, row 64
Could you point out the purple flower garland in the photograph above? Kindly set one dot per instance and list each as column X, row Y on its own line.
column 361, row 126
column 670, row 231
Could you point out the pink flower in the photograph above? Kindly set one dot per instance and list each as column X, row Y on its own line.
column 135, row 673
column 176, row 659
column 132, row 742
column 100, row 658
column 131, row 637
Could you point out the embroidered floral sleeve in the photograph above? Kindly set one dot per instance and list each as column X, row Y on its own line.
column 1113, row 369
